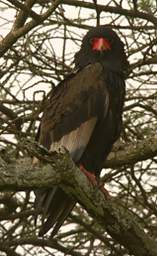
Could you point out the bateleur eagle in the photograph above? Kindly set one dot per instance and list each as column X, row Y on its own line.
column 84, row 115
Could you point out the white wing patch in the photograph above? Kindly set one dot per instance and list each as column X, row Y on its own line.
column 76, row 141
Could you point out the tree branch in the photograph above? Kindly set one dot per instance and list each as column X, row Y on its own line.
column 112, row 9
column 132, row 154
column 25, row 11
column 40, row 242
column 15, row 33
column 118, row 222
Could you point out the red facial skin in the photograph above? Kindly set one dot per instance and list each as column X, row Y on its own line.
column 100, row 44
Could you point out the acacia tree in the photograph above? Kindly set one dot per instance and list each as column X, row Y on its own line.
column 38, row 42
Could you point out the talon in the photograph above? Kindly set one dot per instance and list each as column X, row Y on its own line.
column 89, row 175
column 92, row 178
column 104, row 190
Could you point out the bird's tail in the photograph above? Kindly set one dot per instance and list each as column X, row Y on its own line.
column 55, row 207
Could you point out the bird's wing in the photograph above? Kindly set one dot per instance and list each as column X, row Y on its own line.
column 69, row 119
column 73, row 103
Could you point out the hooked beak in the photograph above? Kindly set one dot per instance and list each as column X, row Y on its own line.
column 100, row 44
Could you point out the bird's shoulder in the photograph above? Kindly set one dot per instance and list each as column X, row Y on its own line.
column 76, row 87
column 79, row 80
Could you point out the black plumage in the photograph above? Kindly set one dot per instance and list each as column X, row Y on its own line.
column 84, row 114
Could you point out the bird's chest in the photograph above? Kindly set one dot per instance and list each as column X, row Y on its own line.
column 107, row 130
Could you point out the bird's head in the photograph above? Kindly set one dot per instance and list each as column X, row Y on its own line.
column 102, row 44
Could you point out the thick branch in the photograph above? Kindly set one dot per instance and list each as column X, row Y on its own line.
column 24, row 13
column 119, row 223
column 15, row 33
column 112, row 9
column 132, row 154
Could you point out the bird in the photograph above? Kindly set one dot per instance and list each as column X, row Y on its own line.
column 84, row 115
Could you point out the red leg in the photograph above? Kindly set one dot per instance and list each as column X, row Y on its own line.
column 93, row 180
column 89, row 175
column 104, row 190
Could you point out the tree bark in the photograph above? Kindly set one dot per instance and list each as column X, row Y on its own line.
column 108, row 212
